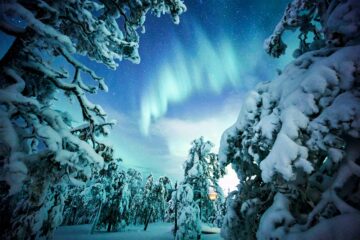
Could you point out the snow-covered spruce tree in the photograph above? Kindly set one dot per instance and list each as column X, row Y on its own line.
column 171, row 206
column 83, row 203
column 74, row 206
column 93, row 197
column 169, row 188
column 40, row 154
column 202, row 172
column 188, row 219
column 104, row 193
column 135, row 208
column 171, row 212
column 154, row 199
column 134, row 181
column 147, row 207
column 160, row 192
column 295, row 146
column 218, row 208
column 112, row 213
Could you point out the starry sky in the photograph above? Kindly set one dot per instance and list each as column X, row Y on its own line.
column 190, row 82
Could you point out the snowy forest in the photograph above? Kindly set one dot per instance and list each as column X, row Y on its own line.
column 294, row 148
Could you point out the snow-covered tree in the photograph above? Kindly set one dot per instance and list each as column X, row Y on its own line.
column 135, row 208
column 188, row 219
column 202, row 172
column 94, row 197
column 112, row 213
column 111, row 199
column 74, row 206
column 147, row 201
column 160, row 192
column 220, row 209
column 134, row 181
column 42, row 152
column 158, row 201
column 295, row 146
column 172, row 205
column 83, row 204
column 154, row 200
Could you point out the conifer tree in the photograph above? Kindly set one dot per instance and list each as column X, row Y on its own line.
column 188, row 218
column 134, row 181
column 295, row 146
column 202, row 172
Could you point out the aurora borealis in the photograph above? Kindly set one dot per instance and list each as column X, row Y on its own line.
column 206, row 70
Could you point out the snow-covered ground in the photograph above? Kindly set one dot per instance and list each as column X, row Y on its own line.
column 155, row 231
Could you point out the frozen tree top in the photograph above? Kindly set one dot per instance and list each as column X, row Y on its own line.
column 332, row 23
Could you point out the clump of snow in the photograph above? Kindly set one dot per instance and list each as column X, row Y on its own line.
column 276, row 219
column 247, row 207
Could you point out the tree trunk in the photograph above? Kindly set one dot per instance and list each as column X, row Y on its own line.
column 176, row 211
column 135, row 218
column 73, row 216
column 148, row 219
column 200, row 209
column 109, row 227
column 122, row 216
column 96, row 219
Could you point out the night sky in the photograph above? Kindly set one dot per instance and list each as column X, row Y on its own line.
column 190, row 82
